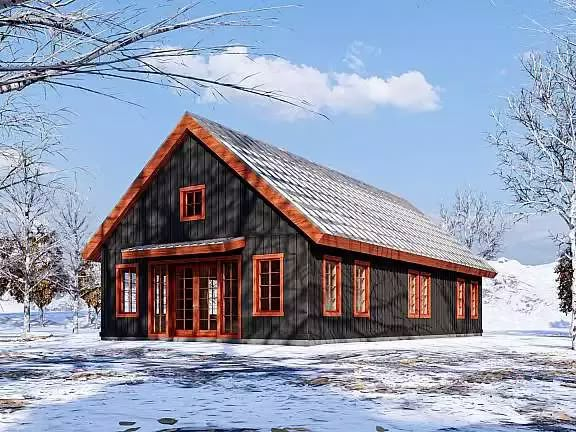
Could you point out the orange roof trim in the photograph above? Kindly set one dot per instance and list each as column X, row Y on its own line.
column 188, row 126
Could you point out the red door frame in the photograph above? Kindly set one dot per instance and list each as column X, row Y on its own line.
column 171, row 299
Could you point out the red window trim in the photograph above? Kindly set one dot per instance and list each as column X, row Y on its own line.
column 120, row 269
column 460, row 297
column 338, row 261
column 419, row 276
column 474, row 300
column 416, row 275
column 163, row 267
column 429, row 277
column 356, row 313
column 183, row 196
column 256, row 288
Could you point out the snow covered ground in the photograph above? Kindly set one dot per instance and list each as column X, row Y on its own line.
column 522, row 298
column 517, row 378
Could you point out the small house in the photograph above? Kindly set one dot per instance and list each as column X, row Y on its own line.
column 224, row 237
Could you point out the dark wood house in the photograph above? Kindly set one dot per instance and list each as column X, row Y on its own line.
column 225, row 237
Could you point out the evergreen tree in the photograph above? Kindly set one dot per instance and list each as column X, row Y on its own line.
column 90, row 291
column 42, row 296
column 564, row 275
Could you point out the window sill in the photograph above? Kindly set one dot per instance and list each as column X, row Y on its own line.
column 268, row 314
column 127, row 315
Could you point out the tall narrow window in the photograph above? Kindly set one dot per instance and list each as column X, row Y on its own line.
column 127, row 290
column 362, row 289
column 413, row 295
column 331, row 286
column 192, row 203
column 157, row 296
column 474, row 300
column 268, row 285
column 460, row 299
column 419, row 295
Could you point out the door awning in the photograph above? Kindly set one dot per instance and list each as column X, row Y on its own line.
column 217, row 245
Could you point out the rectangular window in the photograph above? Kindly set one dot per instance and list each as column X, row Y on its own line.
column 474, row 300
column 268, row 285
column 127, row 290
column 361, row 289
column 192, row 203
column 460, row 299
column 419, row 295
column 331, row 286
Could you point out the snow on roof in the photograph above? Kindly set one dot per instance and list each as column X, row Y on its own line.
column 343, row 206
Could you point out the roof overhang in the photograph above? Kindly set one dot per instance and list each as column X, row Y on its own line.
column 188, row 126
column 185, row 248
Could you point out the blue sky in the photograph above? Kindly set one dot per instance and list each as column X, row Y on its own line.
column 416, row 141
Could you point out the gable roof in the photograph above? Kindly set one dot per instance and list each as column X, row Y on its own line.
column 332, row 209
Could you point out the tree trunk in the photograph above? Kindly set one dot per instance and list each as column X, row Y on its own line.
column 42, row 322
column 27, row 288
column 76, row 327
column 572, row 236
column 26, row 322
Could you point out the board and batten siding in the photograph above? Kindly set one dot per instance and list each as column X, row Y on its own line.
column 233, row 208
column 388, row 301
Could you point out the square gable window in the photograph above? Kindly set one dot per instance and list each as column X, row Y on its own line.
column 193, row 203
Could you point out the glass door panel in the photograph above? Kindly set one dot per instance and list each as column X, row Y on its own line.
column 208, row 297
column 230, row 311
column 159, row 282
column 184, row 307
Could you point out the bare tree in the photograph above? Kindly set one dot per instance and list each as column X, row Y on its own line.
column 476, row 222
column 57, row 43
column 23, row 123
column 535, row 141
column 73, row 219
column 25, row 208
column 52, row 44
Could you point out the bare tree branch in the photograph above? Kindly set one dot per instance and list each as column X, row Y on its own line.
column 49, row 42
column 535, row 140
column 476, row 222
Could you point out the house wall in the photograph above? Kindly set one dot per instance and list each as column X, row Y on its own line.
column 232, row 209
column 388, row 301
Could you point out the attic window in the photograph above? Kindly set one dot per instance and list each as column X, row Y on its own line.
column 126, row 291
column 419, row 295
column 193, row 203
column 331, row 286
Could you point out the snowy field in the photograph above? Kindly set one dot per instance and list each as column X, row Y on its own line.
column 517, row 379
column 499, row 382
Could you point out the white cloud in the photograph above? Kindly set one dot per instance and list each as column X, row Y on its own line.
column 356, row 54
column 326, row 92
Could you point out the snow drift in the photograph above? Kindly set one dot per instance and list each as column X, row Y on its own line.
column 522, row 297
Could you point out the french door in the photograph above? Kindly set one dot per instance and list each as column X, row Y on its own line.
column 198, row 299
